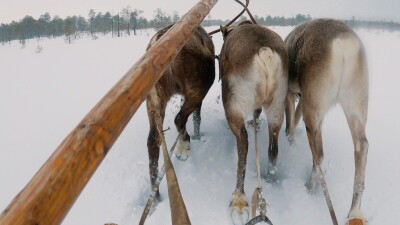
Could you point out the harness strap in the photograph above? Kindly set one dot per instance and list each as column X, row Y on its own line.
column 324, row 187
column 152, row 196
column 247, row 10
column 232, row 21
column 257, row 199
column 257, row 153
column 179, row 214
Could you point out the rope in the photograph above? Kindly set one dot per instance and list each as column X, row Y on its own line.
column 257, row 198
column 324, row 187
column 233, row 20
column 179, row 214
column 247, row 10
column 152, row 196
column 257, row 153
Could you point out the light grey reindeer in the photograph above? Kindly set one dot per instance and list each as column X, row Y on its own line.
column 328, row 66
column 254, row 75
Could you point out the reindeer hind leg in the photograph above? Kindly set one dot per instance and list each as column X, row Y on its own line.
column 356, row 115
column 153, row 139
column 289, row 112
column 298, row 114
column 314, row 112
column 188, row 107
column 196, row 123
column 275, row 115
column 239, row 204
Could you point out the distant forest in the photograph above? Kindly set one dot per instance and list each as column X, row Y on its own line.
column 129, row 20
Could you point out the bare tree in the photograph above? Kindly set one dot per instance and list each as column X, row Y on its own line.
column 161, row 19
column 92, row 16
column 119, row 35
column 175, row 17
column 69, row 28
column 134, row 18
column 126, row 16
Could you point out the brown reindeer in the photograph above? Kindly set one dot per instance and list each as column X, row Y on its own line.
column 191, row 75
column 253, row 67
column 328, row 66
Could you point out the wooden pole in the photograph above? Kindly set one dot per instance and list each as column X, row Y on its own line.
column 47, row 198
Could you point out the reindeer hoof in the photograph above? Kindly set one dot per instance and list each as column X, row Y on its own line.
column 291, row 140
column 312, row 184
column 356, row 221
column 182, row 150
column 356, row 218
column 239, row 209
column 271, row 174
column 196, row 137
column 290, row 137
column 311, row 188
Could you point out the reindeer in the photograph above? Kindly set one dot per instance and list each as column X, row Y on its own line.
column 254, row 74
column 190, row 74
column 328, row 66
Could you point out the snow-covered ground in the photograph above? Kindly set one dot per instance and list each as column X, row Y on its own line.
column 43, row 96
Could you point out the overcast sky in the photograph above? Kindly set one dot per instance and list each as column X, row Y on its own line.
column 225, row 9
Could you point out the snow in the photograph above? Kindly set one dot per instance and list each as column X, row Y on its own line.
column 43, row 96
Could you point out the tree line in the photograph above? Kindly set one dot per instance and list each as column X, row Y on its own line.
column 300, row 18
column 125, row 22
column 267, row 20
column 128, row 21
